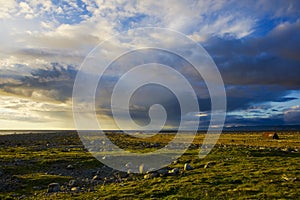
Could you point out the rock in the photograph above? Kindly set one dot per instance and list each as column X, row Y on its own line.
column 121, row 175
column 175, row 162
column 289, row 150
column 53, row 187
column 1, row 172
column 130, row 177
column 209, row 164
column 129, row 165
column 72, row 183
column 151, row 175
column 141, row 168
column 173, row 171
column 70, row 167
column 65, row 150
column 108, row 180
column 163, row 172
column 187, row 167
column 147, row 176
column 75, row 189
column 284, row 177
column 96, row 178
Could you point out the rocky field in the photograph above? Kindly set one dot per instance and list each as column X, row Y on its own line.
column 241, row 166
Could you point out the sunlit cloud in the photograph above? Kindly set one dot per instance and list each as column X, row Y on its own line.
column 254, row 44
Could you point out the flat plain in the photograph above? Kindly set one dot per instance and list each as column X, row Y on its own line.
column 242, row 165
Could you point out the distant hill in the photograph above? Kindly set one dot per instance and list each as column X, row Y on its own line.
column 264, row 128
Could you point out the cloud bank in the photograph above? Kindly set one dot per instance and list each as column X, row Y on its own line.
column 255, row 45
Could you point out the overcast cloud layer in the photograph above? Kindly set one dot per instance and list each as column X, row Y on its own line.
column 255, row 45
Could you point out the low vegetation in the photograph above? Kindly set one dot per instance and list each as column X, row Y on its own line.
column 240, row 166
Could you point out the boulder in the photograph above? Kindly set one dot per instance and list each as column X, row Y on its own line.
column 151, row 175
column 70, row 167
column 72, row 183
column 97, row 177
column 187, row 167
column 75, row 189
column 209, row 164
column 174, row 171
column 53, row 187
column 163, row 172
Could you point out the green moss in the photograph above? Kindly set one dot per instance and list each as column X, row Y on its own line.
column 242, row 170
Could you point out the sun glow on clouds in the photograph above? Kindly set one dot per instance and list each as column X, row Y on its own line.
column 21, row 113
column 255, row 45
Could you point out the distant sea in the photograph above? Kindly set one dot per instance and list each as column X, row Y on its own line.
column 9, row 132
column 225, row 129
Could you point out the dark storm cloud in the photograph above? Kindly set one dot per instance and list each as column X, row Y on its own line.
column 236, row 120
column 292, row 115
column 54, row 83
column 269, row 60
column 258, row 69
column 245, row 96
column 255, row 70
column 140, row 103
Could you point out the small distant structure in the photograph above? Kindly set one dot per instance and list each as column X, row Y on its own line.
column 270, row 135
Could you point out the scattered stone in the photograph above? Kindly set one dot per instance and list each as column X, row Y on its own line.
column 163, row 172
column 70, row 167
column 129, row 165
column 108, row 180
column 53, row 187
column 75, row 189
column 175, row 162
column 284, row 177
column 289, row 150
column 187, row 167
column 141, row 168
column 66, row 150
column 96, row 178
column 72, row 183
column 130, row 177
column 174, row 171
column 121, row 175
column 151, row 175
column 209, row 164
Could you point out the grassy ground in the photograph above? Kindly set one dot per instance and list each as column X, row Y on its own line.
column 243, row 167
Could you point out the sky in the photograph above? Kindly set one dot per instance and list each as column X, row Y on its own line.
column 254, row 44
